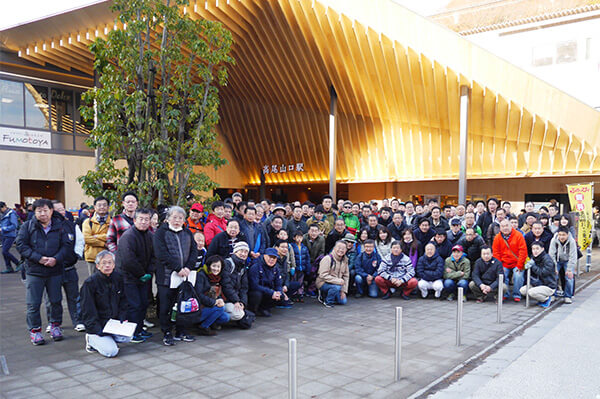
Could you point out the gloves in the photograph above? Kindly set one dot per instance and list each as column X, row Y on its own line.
column 146, row 277
column 292, row 271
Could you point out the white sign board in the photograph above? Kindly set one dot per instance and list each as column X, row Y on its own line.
column 14, row 137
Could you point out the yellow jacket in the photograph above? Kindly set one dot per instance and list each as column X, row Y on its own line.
column 94, row 235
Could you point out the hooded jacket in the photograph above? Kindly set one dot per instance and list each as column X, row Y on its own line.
column 399, row 267
column 430, row 268
column 214, row 226
column 564, row 252
column 333, row 270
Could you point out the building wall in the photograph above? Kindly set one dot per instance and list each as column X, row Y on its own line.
column 17, row 165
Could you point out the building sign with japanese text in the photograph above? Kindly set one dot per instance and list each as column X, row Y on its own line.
column 283, row 168
column 14, row 137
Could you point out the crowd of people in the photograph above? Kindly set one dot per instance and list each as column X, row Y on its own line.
column 243, row 258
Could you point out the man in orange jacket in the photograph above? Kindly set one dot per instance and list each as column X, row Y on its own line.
column 509, row 247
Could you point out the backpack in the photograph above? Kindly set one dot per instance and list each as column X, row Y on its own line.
column 187, row 310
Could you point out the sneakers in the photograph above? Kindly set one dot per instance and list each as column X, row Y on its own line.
column 319, row 298
column 517, row 299
column 168, row 339
column 285, row 305
column 405, row 297
column 387, row 295
column 79, row 328
column 464, row 298
column 184, row 338
column 450, row 297
column 137, row 339
column 264, row 313
column 56, row 332
column 207, row 332
column 328, row 305
column 147, row 324
column 36, row 336
column 88, row 347
column 546, row 303
column 146, row 334
column 568, row 300
column 48, row 327
column 7, row 271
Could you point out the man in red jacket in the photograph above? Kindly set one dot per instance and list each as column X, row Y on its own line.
column 216, row 222
column 509, row 247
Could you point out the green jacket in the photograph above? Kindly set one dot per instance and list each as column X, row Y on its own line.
column 352, row 222
column 462, row 265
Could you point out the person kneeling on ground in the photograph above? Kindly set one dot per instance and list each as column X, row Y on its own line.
column 334, row 276
column 430, row 269
column 395, row 271
column 212, row 286
column 485, row 274
column 543, row 276
column 457, row 270
column 367, row 263
column 103, row 298
column 266, row 284
column 235, row 266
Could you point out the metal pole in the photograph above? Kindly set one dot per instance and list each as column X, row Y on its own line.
column 588, row 258
column 464, row 144
column 527, row 288
column 398, row 344
column 459, row 315
column 292, row 370
column 332, row 142
column 500, row 296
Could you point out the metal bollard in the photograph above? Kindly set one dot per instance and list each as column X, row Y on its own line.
column 527, row 288
column 588, row 258
column 500, row 296
column 398, row 344
column 459, row 315
column 292, row 369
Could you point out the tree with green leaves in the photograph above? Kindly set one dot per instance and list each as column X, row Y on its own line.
column 157, row 103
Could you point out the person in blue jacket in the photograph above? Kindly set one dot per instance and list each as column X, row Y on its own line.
column 302, row 262
column 430, row 271
column 265, row 284
column 366, row 265
column 256, row 235
column 8, row 227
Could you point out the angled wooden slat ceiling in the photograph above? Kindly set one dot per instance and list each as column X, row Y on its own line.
column 398, row 79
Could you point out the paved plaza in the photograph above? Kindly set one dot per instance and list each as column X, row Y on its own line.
column 344, row 352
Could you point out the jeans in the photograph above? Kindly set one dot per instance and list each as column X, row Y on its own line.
column 450, row 285
column 137, row 301
column 213, row 315
column 70, row 283
column 332, row 294
column 106, row 345
column 518, row 279
column 7, row 243
column 568, row 284
column 35, row 286
column 361, row 284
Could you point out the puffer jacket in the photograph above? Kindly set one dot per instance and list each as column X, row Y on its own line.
column 174, row 251
column 543, row 271
column 430, row 268
column 457, row 266
column 238, row 275
column 94, row 235
column 487, row 272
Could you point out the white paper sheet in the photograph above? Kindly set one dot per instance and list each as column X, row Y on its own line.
column 176, row 280
column 115, row 327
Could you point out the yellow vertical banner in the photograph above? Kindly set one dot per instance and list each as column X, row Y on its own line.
column 581, row 198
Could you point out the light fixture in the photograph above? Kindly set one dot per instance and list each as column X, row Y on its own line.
column 40, row 105
column 7, row 100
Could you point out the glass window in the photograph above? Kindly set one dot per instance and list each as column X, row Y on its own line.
column 81, row 126
column 542, row 55
column 566, row 52
column 37, row 113
column 11, row 103
column 61, row 104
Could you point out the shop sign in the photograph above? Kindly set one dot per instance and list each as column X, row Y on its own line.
column 283, row 168
column 14, row 137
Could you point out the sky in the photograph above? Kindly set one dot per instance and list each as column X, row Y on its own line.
column 18, row 12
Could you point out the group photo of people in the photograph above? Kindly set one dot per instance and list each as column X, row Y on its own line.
column 203, row 269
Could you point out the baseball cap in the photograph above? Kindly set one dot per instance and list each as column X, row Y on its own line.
column 455, row 221
column 197, row 207
column 457, row 248
column 271, row 252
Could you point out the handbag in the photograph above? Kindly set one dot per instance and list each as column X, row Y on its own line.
column 187, row 306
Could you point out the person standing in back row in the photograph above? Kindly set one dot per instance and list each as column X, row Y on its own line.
column 8, row 227
column 95, row 230
column 120, row 223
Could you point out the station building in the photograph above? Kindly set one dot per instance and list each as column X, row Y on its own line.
column 364, row 94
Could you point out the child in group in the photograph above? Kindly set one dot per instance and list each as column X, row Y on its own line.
column 200, row 244
column 302, row 257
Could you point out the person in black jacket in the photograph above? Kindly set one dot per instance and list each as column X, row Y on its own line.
column 44, row 244
column 235, row 266
column 543, row 275
column 442, row 245
column 102, row 299
column 485, row 274
column 223, row 243
column 423, row 233
column 176, row 252
column 488, row 217
column 135, row 256
column 472, row 244
column 339, row 231
column 397, row 226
